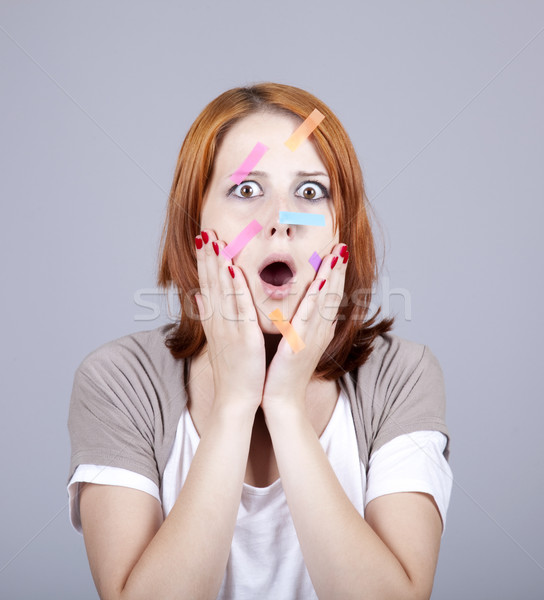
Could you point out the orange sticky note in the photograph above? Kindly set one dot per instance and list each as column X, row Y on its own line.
column 304, row 130
column 287, row 330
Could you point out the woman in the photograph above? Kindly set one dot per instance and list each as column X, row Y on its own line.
column 218, row 458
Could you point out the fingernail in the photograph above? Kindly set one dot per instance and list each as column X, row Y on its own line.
column 334, row 261
column 231, row 271
column 322, row 284
column 344, row 251
column 205, row 237
column 198, row 243
column 215, row 248
column 346, row 256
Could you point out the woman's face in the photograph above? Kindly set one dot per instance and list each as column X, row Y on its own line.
column 282, row 180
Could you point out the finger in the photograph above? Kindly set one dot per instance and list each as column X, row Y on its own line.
column 203, row 310
column 329, row 262
column 209, row 270
column 236, row 301
column 242, row 296
column 330, row 278
column 331, row 300
column 327, row 265
column 203, row 279
column 228, row 306
column 308, row 307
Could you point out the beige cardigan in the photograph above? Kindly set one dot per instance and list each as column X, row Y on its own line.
column 128, row 395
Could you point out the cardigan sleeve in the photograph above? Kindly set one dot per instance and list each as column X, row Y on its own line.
column 409, row 394
column 110, row 420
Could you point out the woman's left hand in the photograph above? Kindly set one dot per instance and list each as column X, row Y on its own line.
column 290, row 373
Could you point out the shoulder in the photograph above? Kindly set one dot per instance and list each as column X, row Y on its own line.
column 391, row 348
column 126, row 400
column 399, row 389
column 142, row 351
column 135, row 374
column 395, row 359
column 125, row 404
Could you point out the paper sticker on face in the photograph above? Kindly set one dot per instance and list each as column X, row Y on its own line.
column 304, row 130
column 249, row 163
column 297, row 218
column 287, row 330
column 241, row 240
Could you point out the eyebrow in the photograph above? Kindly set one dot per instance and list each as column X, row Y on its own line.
column 298, row 174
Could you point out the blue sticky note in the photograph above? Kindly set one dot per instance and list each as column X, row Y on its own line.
column 295, row 218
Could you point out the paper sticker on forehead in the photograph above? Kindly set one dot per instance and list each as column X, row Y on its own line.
column 311, row 122
column 294, row 141
column 249, row 163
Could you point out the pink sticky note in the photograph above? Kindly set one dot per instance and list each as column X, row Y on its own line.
column 249, row 163
column 238, row 243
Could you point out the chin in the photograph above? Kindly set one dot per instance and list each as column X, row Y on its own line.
column 288, row 307
column 267, row 327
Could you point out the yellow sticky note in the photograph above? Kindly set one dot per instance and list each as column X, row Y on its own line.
column 287, row 330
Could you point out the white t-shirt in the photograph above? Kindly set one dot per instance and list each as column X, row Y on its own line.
column 265, row 559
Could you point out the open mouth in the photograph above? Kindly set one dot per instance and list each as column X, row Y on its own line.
column 276, row 273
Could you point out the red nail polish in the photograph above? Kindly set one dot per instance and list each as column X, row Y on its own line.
column 322, row 284
column 346, row 256
column 334, row 261
column 198, row 243
column 215, row 248
column 205, row 237
column 231, row 271
column 344, row 251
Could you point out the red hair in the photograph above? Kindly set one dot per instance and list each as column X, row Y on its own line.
column 352, row 342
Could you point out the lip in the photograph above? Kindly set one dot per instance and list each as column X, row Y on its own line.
column 277, row 292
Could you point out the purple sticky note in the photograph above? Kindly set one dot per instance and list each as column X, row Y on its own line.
column 315, row 261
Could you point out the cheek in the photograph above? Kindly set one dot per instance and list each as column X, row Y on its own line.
column 217, row 221
column 206, row 216
column 323, row 242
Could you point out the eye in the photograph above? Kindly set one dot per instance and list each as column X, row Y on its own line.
column 312, row 191
column 247, row 189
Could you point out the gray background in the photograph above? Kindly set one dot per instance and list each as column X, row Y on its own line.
column 443, row 102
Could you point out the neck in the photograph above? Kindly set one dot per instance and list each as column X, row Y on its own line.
column 271, row 342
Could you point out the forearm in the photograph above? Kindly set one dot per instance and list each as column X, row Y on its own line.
column 188, row 555
column 344, row 556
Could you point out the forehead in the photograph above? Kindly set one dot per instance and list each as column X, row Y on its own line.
column 272, row 130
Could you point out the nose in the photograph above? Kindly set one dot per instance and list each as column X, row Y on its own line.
column 275, row 229
column 278, row 230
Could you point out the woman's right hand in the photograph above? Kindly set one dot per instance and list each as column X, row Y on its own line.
column 235, row 342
